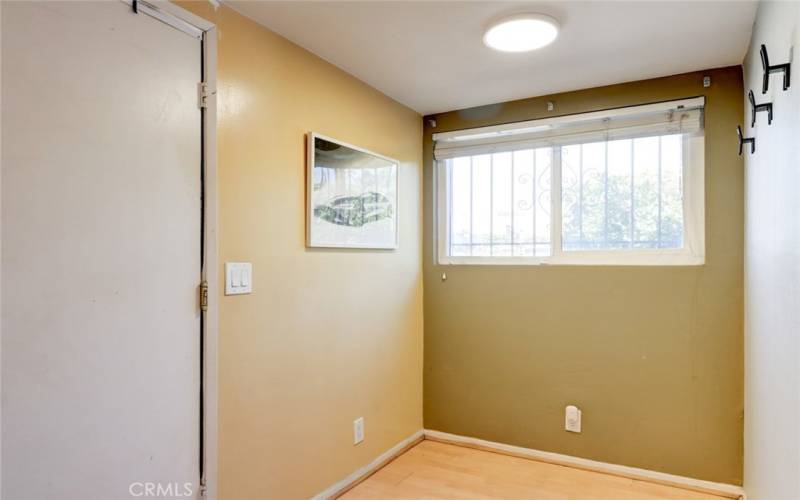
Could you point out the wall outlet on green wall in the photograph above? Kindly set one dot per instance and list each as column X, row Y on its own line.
column 573, row 419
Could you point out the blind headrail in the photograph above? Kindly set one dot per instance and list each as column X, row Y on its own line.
column 543, row 124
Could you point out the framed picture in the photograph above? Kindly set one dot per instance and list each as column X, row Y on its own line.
column 352, row 196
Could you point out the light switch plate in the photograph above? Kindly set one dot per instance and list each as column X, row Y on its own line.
column 238, row 278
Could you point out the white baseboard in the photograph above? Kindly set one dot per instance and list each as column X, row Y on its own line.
column 727, row 490
column 337, row 489
column 363, row 472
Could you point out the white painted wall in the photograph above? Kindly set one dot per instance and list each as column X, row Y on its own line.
column 772, row 266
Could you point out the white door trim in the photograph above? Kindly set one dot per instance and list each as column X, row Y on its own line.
column 211, row 266
column 206, row 32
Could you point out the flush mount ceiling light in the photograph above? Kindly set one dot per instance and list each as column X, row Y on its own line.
column 521, row 33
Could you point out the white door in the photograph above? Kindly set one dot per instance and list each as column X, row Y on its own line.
column 101, row 230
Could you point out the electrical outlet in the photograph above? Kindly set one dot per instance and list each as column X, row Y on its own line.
column 572, row 419
column 358, row 430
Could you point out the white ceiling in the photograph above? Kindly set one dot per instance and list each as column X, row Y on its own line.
column 430, row 57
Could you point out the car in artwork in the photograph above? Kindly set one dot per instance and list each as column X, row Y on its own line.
column 355, row 211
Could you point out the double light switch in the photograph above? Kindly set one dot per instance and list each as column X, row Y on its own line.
column 238, row 278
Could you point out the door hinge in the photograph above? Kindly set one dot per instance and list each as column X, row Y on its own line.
column 204, row 296
column 203, row 93
column 203, row 488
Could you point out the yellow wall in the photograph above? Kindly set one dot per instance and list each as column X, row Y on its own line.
column 652, row 355
column 326, row 336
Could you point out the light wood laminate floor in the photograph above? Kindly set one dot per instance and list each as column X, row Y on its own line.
column 436, row 470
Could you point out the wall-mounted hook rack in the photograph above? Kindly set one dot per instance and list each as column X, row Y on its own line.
column 745, row 140
column 777, row 68
column 764, row 106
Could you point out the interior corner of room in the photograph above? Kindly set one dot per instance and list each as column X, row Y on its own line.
column 287, row 250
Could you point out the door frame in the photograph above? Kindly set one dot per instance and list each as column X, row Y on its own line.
column 206, row 32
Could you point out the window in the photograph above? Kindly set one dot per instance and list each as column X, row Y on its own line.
column 500, row 204
column 619, row 188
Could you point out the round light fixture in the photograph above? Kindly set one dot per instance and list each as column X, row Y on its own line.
column 521, row 33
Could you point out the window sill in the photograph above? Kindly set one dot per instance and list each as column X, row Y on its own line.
column 583, row 259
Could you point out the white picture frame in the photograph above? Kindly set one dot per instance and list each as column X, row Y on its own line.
column 352, row 196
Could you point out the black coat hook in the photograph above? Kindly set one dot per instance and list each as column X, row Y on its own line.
column 745, row 140
column 764, row 106
column 777, row 68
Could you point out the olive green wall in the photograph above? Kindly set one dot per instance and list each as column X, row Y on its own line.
column 652, row 355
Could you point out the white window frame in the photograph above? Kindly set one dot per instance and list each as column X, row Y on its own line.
column 692, row 253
